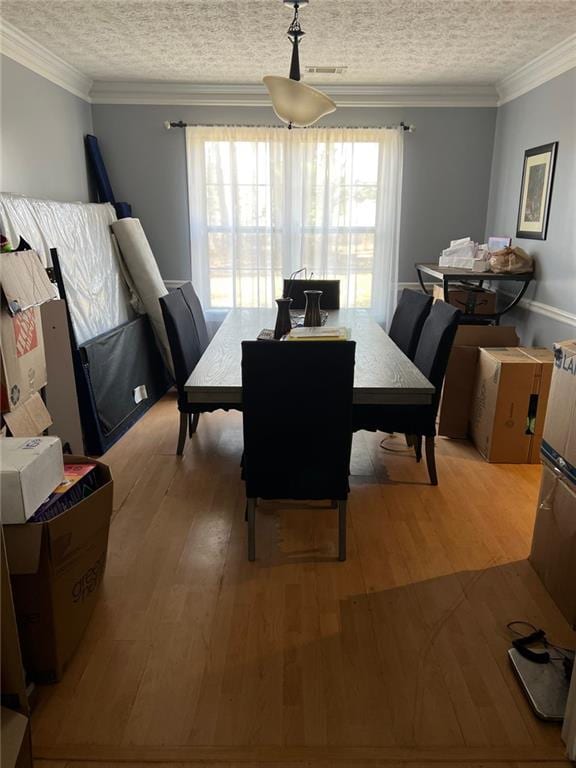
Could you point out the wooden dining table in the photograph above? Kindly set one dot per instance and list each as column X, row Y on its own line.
column 383, row 375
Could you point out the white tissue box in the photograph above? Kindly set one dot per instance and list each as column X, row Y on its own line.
column 30, row 469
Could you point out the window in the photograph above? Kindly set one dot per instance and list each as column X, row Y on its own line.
column 265, row 202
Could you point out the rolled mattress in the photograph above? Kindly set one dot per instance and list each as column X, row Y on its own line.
column 145, row 275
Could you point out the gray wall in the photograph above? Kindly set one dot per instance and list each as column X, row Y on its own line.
column 43, row 128
column 543, row 115
column 446, row 172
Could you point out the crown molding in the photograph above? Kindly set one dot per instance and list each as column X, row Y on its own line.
column 17, row 45
column 22, row 49
column 545, row 67
column 256, row 95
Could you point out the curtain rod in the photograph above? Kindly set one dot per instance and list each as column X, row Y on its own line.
column 168, row 124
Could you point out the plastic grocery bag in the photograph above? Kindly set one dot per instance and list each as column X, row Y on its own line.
column 513, row 260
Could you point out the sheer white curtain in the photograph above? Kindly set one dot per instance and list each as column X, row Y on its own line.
column 265, row 202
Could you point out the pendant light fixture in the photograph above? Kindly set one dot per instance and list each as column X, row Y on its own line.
column 295, row 102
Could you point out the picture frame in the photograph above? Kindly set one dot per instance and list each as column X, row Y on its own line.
column 536, row 191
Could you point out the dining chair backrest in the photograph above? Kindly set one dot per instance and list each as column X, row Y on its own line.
column 197, row 312
column 297, row 410
column 330, row 298
column 411, row 312
column 435, row 344
column 185, row 344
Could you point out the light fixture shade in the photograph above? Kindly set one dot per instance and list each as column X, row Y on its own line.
column 296, row 103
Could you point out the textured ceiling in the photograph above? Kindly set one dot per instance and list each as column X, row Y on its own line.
column 237, row 41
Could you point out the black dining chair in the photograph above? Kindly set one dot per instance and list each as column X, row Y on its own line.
column 330, row 298
column 297, row 406
column 431, row 358
column 195, row 307
column 411, row 312
column 188, row 338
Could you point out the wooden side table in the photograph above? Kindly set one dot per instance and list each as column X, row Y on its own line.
column 447, row 275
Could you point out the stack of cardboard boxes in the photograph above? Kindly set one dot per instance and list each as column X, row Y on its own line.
column 496, row 393
column 25, row 286
column 54, row 525
column 553, row 553
column 458, row 392
column 38, row 389
column 56, row 559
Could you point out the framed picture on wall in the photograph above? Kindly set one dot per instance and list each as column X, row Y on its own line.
column 536, row 191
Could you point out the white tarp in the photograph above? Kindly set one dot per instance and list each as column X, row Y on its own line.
column 145, row 276
column 96, row 290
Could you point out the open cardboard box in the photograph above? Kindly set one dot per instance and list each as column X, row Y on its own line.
column 56, row 569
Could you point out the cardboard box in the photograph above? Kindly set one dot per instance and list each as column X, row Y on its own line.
column 16, row 747
column 460, row 376
column 553, row 554
column 29, row 419
column 56, row 569
column 470, row 301
column 30, row 469
column 559, row 439
column 13, row 683
column 25, row 286
column 23, row 361
column 60, row 393
column 24, row 281
column 509, row 403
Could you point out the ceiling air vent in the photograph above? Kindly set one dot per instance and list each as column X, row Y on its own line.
column 326, row 70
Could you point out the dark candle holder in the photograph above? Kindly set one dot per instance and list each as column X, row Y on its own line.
column 283, row 319
column 312, row 317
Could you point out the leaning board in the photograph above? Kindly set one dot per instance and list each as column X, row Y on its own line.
column 383, row 374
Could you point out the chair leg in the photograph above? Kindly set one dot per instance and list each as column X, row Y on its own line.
column 431, row 461
column 409, row 439
column 193, row 419
column 182, row 433
column 417, row 443
column 342, row 530
column 251, row 514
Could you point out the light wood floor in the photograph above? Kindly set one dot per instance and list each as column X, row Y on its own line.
column 396, row 657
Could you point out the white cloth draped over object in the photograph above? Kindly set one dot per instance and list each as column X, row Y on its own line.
column 265, row 202
column 97, row 293
column 104, row 288
column 145, row 276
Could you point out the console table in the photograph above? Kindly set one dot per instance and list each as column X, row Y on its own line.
column 447, row 275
